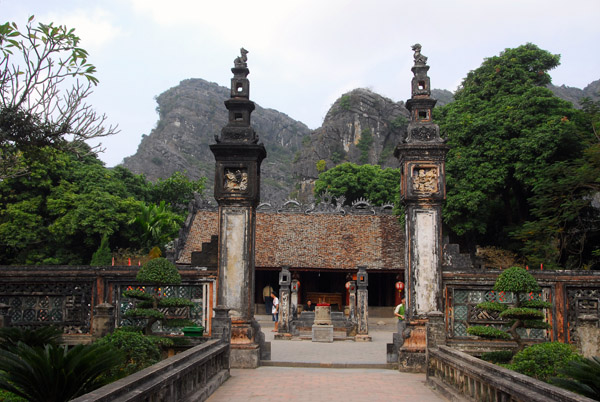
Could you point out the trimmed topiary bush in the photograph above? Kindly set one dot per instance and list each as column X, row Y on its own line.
column 544, row 360
column 500, row 356
column 157, row 273
column 522, row 313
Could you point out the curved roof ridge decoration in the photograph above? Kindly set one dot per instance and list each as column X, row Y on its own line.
column 328, row 205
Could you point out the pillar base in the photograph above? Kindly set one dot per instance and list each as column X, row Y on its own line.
column 362, row 338
column 412, row 355
column 244, row 356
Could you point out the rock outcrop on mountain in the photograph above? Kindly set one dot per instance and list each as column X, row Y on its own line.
column 575, row 95
column 190, row 115
column 360, row 127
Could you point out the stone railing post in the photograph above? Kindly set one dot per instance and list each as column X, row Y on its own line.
column 221, row 324
column 436, row 332
column 104, row 320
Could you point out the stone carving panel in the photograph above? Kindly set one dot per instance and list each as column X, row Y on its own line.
column 581, row 301
column 424, row 133
column 236, row 180
column 425, row 180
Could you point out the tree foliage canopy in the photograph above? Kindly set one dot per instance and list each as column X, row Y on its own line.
column 59, row 212
column 45, row 78
column 379, row 186
column 516, row 170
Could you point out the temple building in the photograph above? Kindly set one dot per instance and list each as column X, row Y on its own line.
column 323, row 245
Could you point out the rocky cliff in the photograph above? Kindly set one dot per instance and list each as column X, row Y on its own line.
column 574, row 95
column 190, row 115
column 360, row 127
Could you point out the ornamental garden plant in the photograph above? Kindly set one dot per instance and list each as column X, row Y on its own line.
column 521, row 313
column 151, row 304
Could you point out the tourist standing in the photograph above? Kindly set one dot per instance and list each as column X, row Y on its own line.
column 400, row 312
column 275, row 310
column 267, row 290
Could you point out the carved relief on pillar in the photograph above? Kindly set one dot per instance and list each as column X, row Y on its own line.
column 235, row 180
column 424, row 179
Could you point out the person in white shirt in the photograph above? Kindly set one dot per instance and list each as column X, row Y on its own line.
column 275, row 310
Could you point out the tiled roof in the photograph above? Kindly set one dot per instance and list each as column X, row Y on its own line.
column 323, row 241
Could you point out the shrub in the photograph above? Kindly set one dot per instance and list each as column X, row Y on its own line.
column 582, row 377
column 487, row 332
column 159, row 271
column 55, row 373
column 138, row 352
column 11, row 336
column 499, row 356
column 345, row 102
column 102, row 256
column 520, row 314
column 544, row 360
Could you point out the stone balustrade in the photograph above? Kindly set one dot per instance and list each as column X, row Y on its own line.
column 460, row 375
column 192, row 375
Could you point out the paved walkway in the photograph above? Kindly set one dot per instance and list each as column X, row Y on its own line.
column 327, row 384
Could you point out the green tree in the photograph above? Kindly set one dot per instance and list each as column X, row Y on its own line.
column 379, row 186
column 59, row 211
column 157, row 273
column 364, row 144
column 157, row 224
column 176, row 191
column 507, row 134
column 102, row 256
column 520, row 312
column 45, row 79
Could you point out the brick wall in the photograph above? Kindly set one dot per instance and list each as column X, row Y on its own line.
column 313, row 241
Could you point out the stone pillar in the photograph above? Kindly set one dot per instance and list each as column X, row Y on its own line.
column 362, row 305
column 352, row 301
column 422, row 161
column 104, row 320
column 238, row 158
column 588, row 335
column 284, row 300
column 294, row 298
column 4, row 317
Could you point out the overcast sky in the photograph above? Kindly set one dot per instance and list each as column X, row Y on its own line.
column 303, row 54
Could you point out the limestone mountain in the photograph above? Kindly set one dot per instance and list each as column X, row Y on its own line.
column 361, row 127
column 575, row 95
column 190, row 114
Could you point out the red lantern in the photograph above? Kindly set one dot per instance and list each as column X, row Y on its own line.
column 400, row 286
